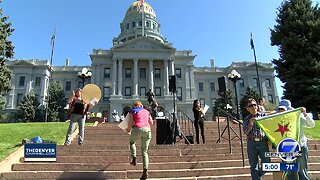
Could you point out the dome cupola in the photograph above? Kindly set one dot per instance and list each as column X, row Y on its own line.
column 132, row 26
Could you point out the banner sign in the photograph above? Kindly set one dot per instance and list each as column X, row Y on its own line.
column 44, row 152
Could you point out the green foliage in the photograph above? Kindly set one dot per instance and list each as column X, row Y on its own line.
column 297, row 36
column 220, row 104
column 27, row 108
column 2, row 102
column 250, row 93
column 12, row 134
column 6, row 52
column 313, row 133
column 56, row 112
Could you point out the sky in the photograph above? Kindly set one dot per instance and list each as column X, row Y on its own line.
column 210, row 28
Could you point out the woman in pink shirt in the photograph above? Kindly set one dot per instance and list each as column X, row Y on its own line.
column 140, row 122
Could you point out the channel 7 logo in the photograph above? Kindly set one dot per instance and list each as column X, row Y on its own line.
column 288, row 150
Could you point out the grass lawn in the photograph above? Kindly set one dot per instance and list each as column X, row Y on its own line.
column 11, row 134
column 313, row 133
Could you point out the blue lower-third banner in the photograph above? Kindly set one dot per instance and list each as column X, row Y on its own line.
column 40, row 152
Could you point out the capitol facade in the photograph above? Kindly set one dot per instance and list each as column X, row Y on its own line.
column 141, row 58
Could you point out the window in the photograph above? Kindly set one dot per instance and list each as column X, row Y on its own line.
column 107, row 72
column 178, row 73
column 157, row 73
column 127, row 91
column 241, row 83
column 22, row 80
column 106, row 93
column 158, row 91
column 268, row 82
column 68, row 85
column 212, row 87
column 179, row 94
column 255, row 82
column 143, row 73
column 202, row 102
column 38, row 81
column 148, row 24
column 133, row 24
column 19, row 99
column 80, row 84
column 270, row 98
column 128, row 73
column 142, row 91
column 128, row 26
column 201, row 86
column 213, row 100
column 140, row 23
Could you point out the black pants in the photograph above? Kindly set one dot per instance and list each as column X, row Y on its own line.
column 197, row 124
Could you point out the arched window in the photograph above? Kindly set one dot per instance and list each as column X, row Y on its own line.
column 133, row 24
column 128, row 25
column 148, row 24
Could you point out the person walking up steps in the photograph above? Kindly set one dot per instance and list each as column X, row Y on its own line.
column 140, row 122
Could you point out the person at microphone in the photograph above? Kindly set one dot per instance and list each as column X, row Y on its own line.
column 257, row 142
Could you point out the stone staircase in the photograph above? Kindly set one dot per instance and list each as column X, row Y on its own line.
column 105, row 155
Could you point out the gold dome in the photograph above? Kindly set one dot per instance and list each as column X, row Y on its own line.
column 135, row 8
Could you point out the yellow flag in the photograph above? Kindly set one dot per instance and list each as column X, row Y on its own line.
column 280, row 126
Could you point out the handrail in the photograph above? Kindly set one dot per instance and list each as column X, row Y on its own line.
column 184, row 124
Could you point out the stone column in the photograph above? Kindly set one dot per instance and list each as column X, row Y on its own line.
column 151, row 83
column 120, row 77
column 114, row 76
column 135, row 78
column 171, row 63
column 166, row 77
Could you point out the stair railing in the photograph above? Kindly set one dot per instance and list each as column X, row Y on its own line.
column 184, row 124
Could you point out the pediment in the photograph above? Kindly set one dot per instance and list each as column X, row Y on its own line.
column 143, row 43
column 22, row 63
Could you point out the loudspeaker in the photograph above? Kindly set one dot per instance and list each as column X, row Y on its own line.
column 172, row 83
column 222, row 82
column 164, row 131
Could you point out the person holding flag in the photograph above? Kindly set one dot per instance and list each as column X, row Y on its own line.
column 257, row 142
column 305, row 121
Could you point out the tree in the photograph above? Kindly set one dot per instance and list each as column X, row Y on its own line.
column 6, row 52
column 220, row 104
column 297, row 35
column 250, row 93
column 57, row 102
column 27, row 109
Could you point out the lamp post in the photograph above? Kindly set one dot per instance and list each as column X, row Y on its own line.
column 84, row 74
column 234, row 76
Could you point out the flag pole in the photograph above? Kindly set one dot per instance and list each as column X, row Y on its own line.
column 51, row 58
column 256, row 64
column 52, row 45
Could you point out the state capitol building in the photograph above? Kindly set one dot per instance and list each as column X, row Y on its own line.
column 140, row 58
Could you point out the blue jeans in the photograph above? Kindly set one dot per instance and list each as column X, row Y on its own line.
column 255, row 150
column 302, row 166
column 76, row 118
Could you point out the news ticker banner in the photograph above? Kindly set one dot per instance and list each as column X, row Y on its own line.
column 279, row 167
column 40, row 152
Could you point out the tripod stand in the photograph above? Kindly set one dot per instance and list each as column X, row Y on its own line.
column 227, row 127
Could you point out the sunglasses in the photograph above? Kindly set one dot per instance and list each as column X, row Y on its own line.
column 252, row 105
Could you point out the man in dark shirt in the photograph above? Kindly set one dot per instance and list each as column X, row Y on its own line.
column 256, row 140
